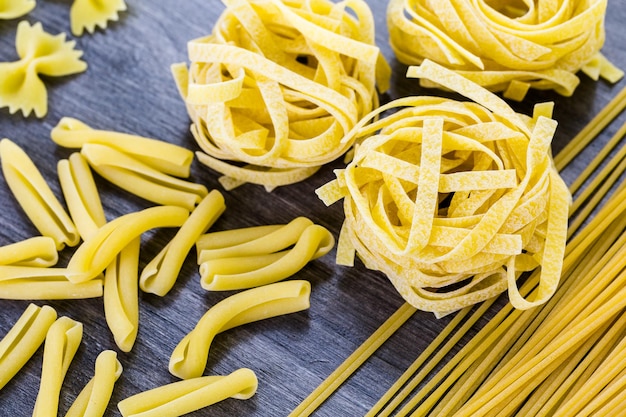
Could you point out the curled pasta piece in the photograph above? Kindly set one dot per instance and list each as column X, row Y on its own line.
column 121, row 298
column 431, row 201
column 40, row 53
column 62, row 341
column 182, row 397
column 23, row 340
column 275, row 87
column 140, row 179
column 160, row 274
column 97, row 252
column 89, row 14
column 16, row 8
column 96, row 395
column 247, row 271
column 190, row 356
column 507, row 46
column 163, row 156
column 35, row 196
column 39, row 251
column 35, row 283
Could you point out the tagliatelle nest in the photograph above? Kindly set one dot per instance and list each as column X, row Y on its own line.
column 278, row 84
column 507, row 46
column 454, row 200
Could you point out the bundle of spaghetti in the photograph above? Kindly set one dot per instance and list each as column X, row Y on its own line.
column 453, row 200
column 507, row 46
column 277, row 85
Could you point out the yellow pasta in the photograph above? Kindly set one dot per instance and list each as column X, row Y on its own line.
column 62, row 341
column 89, row 14
column 140, row 179
column 160, row 274
column 23, row 340
column 40, row 53
column 163, row 156
column 182, row 397
column 255, row 263
column 277, row 85
column 40, row 251
column 454, row 194
column 35, row 196
column 36, row 283
column 505, row 46
column 95, row 396
column 97, row 252
column 189, row 358
column 11, row 9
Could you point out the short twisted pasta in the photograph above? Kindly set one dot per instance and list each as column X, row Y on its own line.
column 40, row 251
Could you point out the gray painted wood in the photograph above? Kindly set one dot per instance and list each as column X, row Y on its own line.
column 128, row 87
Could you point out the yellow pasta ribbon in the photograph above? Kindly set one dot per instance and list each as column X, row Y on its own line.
column 36, row 283
column 182, row 397
column 97, row 252
column 40, row 53
column 95, row 396
column 40, row 251
column 23, row 340
column 140, row 179
column 444, row 194
column 190, row 356
column 504, row 46
column 163, row 156
column 11, row 9
column 89, row 14
column 62, row 341
column 160, row 274
column 277, row 85
column 252, row 263
column 35, row 196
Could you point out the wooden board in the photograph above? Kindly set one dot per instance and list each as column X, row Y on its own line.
column 128, row 88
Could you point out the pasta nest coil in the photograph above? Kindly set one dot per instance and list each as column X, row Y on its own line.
column 277, row 85
column 507, row 46
column 454, row 200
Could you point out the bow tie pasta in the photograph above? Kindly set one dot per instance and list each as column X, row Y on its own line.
column 89, row 14
column 11, row 9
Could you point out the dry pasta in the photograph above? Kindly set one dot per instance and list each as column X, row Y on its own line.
column 95, row 396
column 163, row 156
column 35, row 196
column 23, row 340
column 39, row 251
column 160, row 274
column 277, row 85
column 36, row 283
column 189, row 358
column 504, row 46
column 255, row 263
column 189, row 395
column 452, row 200
column 86, row 15
column 16, row 8
column 62, row 341
column 140, row 179
column 40, row 53
column 97, row 252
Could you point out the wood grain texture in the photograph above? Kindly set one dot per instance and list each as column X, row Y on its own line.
column 128, row 88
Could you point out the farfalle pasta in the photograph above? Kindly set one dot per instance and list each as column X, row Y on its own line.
column 86, row 15
column 11, row 9
column 245, row 258
column 35, row 196
column 39, row 251
column 190, row 356
column 96, row 395
column 277, row 85
column 160, row 274
column 23, row 340
column 182, row 397
column 507, row 46
column 454, row 200
column 62, row 341
column 40, row 53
